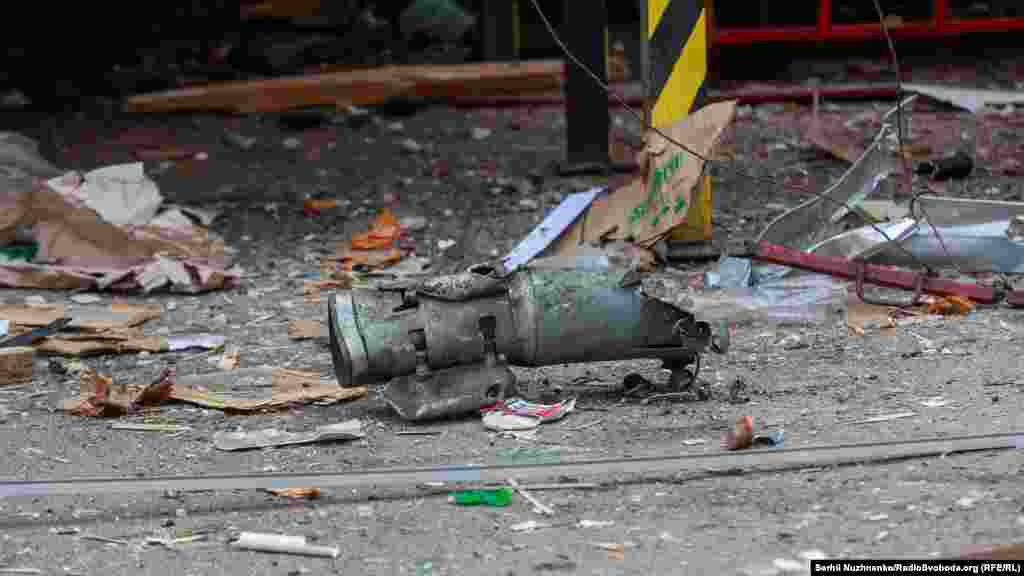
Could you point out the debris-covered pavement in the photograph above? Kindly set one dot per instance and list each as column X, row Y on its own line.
column 190, row 337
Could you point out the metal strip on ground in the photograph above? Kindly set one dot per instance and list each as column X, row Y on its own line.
column 753, row 460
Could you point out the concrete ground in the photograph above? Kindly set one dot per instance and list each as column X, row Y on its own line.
column 818, row 383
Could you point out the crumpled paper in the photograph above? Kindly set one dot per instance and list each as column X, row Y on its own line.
column 104, row 230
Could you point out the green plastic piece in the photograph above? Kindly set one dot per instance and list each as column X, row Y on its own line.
column 25, row 252
column 498, row 497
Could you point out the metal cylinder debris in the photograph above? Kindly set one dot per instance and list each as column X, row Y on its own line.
column 445, row 342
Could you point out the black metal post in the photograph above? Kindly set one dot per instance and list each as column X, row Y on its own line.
column 588, row 120
column 499, row 30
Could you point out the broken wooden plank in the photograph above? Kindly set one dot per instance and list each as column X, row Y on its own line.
column 116, row 316
column 279, row 10
column 358, row 87
column 16, row 365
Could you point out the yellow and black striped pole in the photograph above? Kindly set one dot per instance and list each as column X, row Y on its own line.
column 676, row 58
column 677, row 48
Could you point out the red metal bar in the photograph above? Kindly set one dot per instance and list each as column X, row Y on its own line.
column 940, row 9
column 824, row 17
column 748, row 36
column 873, row 273
column 744, row 96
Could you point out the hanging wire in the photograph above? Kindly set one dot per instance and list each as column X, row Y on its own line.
column 899, row 134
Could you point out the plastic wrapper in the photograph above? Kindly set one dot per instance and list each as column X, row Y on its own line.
column 736, row 291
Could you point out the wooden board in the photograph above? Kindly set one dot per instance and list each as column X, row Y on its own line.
column 360, row 87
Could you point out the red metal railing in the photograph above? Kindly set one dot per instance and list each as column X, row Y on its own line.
column 940, row 25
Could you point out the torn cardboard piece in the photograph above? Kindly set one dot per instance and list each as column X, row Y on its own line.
column 101, row 397
column 72, row 231
column 16, row 365
column 118, row 315
column 306, row 329
column 103, row 343
column 105, row 230
column 276, row 388
column 272, row 437
column 285, row 386
column 177, row 276
column 94, row 329
column 648, row 208
column 125, row 341
column 862, row 317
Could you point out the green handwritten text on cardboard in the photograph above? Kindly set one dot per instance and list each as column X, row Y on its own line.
column 657, row 204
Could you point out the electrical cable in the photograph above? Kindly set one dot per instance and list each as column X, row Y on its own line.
column 899, row 133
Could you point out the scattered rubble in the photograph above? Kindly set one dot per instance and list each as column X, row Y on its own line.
column 105, row 230
column 444, row 344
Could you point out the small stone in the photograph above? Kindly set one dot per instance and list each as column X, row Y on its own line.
column 445, row 244
column 411, row 146
column 969, row 501
column 85, row 298
column 1015, row 231
column 292, row 143
column 479, row 133
column 413, row 223
column 787, row 565
column 239, row 141
column 529, row 203
column 525, row 187
column 792, row 342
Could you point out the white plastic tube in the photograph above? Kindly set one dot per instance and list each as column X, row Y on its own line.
column 283, row 544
